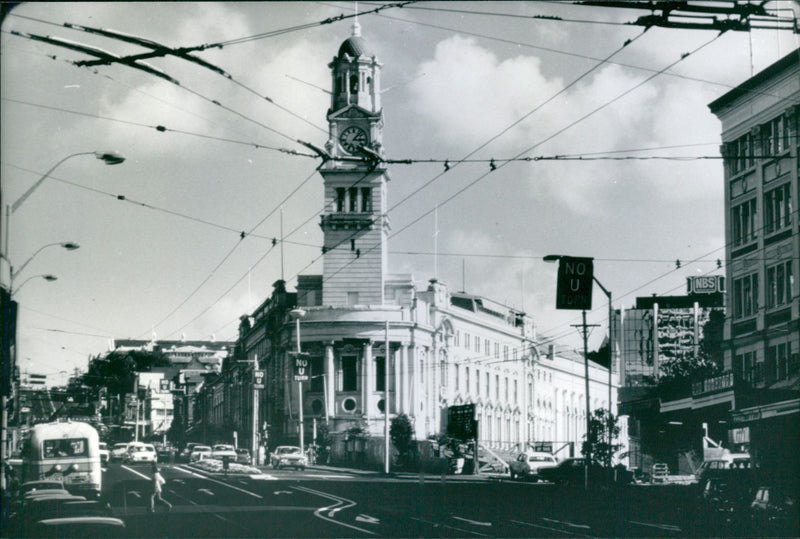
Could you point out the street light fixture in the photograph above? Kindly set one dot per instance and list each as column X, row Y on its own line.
column 554, row 258
column 107, row 157
column 46, row 277
column 296, row 315
column 69, row 246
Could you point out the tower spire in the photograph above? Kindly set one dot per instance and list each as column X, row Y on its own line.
column 356, row 27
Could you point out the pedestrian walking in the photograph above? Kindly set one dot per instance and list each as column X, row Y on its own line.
column 158, row 482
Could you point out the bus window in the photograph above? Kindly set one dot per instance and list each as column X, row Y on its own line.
column 68, row 447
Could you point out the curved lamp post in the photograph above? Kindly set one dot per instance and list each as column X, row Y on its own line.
column 45, row 276
column 69, row 246
column 554, row 258
column 107, row 157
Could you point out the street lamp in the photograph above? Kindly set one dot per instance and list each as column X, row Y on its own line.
column 296, row 315
column 554, row 258
column 69, row 246
column 46, row 277
column 107, row 157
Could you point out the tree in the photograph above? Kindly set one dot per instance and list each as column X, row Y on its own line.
column 602, row 437
column 401, row 431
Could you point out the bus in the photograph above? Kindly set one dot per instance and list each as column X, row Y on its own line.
column 67, row 451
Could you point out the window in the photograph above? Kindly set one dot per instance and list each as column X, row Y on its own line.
column 516, row 395
column 505, row 352
column 487, row 348
column 466, row 340
column 774, row 137
column 353, row 205
column 380, row 373
column 477, row 382
column 457, row 370
column 457, row 338
column 340, row 195
column 366, row 200
column 780, row 282
column 778, row 208
column 497, row 349
column 353, row 83
column 466, row 379
column 349, row 373
column 740, row 154
column 66, row 447
column 744, row 222
column 487, row 385
column 477, row 344
column 745, row 296
column 776, row 364
column 317, row 377
column 506, row 388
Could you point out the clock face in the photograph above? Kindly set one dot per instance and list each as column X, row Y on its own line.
column 352, row 139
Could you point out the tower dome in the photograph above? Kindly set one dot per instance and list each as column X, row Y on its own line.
column 355, row 45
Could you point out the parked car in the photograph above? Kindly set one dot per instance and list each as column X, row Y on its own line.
column 528, row 464
column 36, row 486
column 243, row 456
column 105, row 454
column 119, row 450
column 220, row 451
column 567, row 472
column 139, row 452
column 186, row 452
column 288, row 455
column 84, row 526
column 659, row 473
column 166, row 453
column 200, row 452
column 775, row 509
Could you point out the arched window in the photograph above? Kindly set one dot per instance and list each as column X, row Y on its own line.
column 353, row 83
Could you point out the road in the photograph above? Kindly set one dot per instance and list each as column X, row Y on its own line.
column 331, row 503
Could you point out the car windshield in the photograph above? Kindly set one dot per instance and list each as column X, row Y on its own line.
column 242, row 451
column 540, row 459
column 223, row 448
column 120, row 446
column 202, row 448
column 287, row 450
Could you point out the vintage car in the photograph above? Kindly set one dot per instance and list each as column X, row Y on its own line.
column 528, row 465
column 139, row 452
column 290, row 456
column 105, row 454
column 200, row 452
column 243, row 456
column 220, row 451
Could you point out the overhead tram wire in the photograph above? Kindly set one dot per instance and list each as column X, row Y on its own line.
column 572, row 54
column 226, row 257
column 179, row 85
column 495, row 137
column 560, row 131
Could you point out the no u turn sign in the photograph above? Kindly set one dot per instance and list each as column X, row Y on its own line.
column 574, row 283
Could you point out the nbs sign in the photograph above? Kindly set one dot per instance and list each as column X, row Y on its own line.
column 574, row 283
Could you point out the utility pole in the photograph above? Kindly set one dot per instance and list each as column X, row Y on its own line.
column 588, row 455
column 386, row 400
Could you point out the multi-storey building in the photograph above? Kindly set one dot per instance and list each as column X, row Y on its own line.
column 375, row 341
column 760, row 120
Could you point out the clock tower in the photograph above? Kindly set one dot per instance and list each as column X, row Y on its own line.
column 354, row 221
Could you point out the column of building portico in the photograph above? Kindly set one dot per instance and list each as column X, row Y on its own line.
column 396, row 405
column 330, row 379
column 368, row 379
column 406, row 377
column 436, row 383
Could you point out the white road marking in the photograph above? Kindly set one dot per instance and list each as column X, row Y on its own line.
column 263, row 477
column 368, row 519
column 332, row 509
column 135, row 493
column 205, row 491
column 668, row 527
column 440, row 525
column 277, row 492
column 565, row 532
column 253, row 494
column 567, row 523
column 476, row 522
column 135, row 472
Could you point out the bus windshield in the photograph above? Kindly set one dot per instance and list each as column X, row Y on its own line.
column 66, row 447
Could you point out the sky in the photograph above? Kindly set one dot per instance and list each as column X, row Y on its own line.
column 161, row 247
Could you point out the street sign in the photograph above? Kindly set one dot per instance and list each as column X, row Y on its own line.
column 301, row 366
column 461, row 422
column 258, row 379
column 574, row 283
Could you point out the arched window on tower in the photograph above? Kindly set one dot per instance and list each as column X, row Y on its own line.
column 354, row 83
column 340, row 192
column 353, row 199
column 366, row 200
